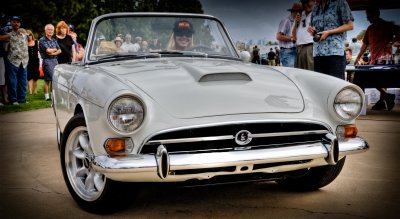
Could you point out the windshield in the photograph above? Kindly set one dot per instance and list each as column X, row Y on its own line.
column 135, row 36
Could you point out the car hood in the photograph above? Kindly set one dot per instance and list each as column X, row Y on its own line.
column 189, row 88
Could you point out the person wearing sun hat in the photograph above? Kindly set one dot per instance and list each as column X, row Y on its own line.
column 285, row 38
column 182, row 36
column 118, row 43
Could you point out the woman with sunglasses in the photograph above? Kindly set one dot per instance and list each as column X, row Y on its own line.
column 33, row 63
column 182, row 36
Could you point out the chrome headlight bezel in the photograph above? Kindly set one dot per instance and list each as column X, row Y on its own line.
column 348, row 103
column 126, row 114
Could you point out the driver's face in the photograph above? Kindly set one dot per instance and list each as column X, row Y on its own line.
column 183, row 41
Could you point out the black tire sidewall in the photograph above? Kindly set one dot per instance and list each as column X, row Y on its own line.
column 315, row 178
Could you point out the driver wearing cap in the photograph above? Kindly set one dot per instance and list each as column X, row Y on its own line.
column 17, row 62
column 182, row 36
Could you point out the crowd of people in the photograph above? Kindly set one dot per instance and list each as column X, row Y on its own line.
column 180, row 39
column 22, row 56
column 313, row 37
column 270, row 58
column 122, row 44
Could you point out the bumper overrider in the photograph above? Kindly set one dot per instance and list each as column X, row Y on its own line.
column 165, row 167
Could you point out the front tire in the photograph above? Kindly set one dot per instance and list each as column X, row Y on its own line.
column 92, row 190
column 59, row 137
column 314, row 178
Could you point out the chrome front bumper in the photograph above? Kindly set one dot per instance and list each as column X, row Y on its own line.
column 162, row 166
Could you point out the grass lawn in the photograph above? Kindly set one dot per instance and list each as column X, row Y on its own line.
column 35, row 101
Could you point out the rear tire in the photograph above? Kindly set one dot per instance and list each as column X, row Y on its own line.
column 92, row 190
column 315, row 178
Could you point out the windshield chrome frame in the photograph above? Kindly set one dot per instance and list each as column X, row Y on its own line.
column 97, row 20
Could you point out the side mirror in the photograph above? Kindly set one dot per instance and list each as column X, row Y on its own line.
column 245, row 56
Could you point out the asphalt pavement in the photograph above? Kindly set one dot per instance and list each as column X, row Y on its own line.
column 31, row 183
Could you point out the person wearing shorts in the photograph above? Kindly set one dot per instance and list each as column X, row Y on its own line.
column 49, row 49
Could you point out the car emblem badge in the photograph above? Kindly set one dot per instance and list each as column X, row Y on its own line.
column 243, row 137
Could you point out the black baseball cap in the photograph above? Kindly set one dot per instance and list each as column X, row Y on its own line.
column 183, row 26
column 16, row 18
column 71, row 27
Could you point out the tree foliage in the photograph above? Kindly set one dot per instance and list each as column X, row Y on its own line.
column 37, row 13
column 188, row 6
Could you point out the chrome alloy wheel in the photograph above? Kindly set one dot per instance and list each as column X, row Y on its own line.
column 86, row 182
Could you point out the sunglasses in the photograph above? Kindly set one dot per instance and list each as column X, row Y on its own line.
column 186, row 34
column 304, row 23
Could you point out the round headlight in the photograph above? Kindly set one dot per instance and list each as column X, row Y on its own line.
column 126, row 114
column 348, row 104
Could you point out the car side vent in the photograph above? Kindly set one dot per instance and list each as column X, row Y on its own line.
column 234, row 76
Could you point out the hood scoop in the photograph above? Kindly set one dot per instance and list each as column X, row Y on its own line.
column 226, row 76
column 215, row 73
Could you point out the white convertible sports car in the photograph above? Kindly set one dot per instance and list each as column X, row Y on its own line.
column 189, row 108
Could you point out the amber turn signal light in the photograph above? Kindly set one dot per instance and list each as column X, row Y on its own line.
column 118, row 146
column 350, row 131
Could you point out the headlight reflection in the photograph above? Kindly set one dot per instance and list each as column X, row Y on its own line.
column 126, row 114
column 348, row 104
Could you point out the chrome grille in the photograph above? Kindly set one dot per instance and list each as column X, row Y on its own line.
column 222, row 138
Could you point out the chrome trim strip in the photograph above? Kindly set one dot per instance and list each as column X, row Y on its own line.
column 188, row 140
column 279, row 134
column 228, row 137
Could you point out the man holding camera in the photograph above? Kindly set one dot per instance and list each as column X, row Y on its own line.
column 285, row 38
column 329, row 22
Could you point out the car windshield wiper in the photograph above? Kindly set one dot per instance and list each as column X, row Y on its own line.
column 127, row 55
column 153, row 54
column 184, row 53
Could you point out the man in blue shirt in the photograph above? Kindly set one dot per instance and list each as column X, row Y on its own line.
column 49, row 49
